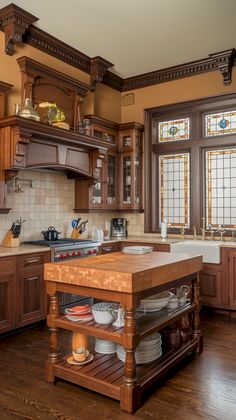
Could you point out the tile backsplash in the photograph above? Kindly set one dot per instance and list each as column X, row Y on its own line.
column 46, row 198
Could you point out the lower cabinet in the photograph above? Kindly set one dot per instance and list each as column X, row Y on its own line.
column 7, row 293
column 22, row 293
column 232, row 278
column 211, row 286
column 110, row 247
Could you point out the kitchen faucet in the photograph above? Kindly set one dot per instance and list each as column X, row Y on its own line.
column 182, row 230
column 221, row 231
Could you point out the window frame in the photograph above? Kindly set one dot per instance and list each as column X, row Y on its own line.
column 195, row 146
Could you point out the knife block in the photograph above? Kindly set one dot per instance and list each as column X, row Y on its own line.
column 75, row 234
column 9, row 241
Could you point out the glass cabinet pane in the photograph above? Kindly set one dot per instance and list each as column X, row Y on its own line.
column 127, row 179
column 97, row 193
column 136, row 180
column 111, row 180
column 126, row 141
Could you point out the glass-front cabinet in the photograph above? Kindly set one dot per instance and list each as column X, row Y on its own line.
column 119, row 186
column 130, row 146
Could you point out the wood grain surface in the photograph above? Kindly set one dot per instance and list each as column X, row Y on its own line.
column 124, row 272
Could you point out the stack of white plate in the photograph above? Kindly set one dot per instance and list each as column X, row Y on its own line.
column 147, row 351
column 137, row 249
column 105, row 346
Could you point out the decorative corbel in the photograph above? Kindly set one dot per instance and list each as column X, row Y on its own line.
column 14, row 22
column 98, row 68
column 224, row 62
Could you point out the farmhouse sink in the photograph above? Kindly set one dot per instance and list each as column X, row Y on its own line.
column 210, row 250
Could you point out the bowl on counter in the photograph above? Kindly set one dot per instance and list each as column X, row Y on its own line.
column 104, row 312
column 155, row 302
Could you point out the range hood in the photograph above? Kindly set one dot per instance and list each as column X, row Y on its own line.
column 27, row 144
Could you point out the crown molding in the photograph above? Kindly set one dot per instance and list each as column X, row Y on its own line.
column 14, row 22
column 4, row 87
column 224, row 62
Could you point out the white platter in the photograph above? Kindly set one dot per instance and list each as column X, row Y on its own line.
column 137, row 249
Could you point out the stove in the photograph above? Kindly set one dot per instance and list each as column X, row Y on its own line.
column 67, row 248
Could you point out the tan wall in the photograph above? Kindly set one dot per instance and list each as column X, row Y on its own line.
column 195, row 87
column 107, row 103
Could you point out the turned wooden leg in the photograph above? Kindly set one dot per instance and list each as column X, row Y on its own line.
column 130, row 395
column 54, row 352
column 196, row 321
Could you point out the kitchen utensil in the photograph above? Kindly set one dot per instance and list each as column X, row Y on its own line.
column 75, row 223
column 51, row 234
column 82, row 227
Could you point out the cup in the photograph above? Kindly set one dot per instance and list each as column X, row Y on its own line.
column 80, row 354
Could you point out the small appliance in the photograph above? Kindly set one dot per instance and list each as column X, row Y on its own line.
column 119, row 227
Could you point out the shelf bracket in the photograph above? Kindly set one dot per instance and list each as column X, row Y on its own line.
column 224, row 62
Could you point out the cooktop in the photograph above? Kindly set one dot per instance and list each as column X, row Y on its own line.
column 59, row 242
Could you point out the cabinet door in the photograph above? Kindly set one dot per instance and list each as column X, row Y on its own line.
column 32, row 296
column 232, row 279
column 110, row 181
column 8, row 299
column 108, row 248
column 211, row 287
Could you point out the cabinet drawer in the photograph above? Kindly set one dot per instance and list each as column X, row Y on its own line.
column 31, row 260
column 8, row 265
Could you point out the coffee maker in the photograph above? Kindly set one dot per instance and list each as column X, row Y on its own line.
column 119, row 227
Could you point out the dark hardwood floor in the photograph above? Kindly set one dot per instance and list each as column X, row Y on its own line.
column 202, row 387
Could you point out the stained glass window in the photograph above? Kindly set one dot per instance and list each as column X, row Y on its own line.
column 174, row 196
column 173, row 130
column 221, row 123
column 221, row 188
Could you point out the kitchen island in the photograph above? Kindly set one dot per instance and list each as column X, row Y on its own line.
column 126, row 279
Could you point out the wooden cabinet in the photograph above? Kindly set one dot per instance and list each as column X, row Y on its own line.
column 130, row 167
column 22, row 292
column 211, row 286
column 232, row 278
column 119, row 185
column 110, row 247
column 7, row 293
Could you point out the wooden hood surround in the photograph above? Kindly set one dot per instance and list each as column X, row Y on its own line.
column 27, row 144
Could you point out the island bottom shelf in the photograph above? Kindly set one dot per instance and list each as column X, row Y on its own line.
column 105, row 373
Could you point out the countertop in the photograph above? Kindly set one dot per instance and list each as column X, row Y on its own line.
column 157, row 240
column 22, row 249
column 119, row 272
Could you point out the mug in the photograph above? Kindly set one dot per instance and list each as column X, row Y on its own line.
column 183, row 293
column 80, row 354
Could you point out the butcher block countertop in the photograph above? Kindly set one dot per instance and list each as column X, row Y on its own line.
column 123, row 272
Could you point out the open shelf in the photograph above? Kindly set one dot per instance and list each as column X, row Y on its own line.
column 105, row 373
column 146, row 323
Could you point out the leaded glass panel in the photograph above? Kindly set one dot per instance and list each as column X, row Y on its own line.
column 174, row 196
column 221, row 188
column 173, row 130
column 220, row 124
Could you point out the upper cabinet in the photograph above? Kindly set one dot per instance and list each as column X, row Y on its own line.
column 119, row 186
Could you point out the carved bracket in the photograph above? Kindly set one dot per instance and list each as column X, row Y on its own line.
column 98, row 68
column 224, row 62
column 14, row 22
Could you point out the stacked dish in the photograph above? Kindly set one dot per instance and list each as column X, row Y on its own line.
column 155, row 302
column 105, row 346
column 79, row 313
column 137, row 249
column 147, row 351
column 104, row 312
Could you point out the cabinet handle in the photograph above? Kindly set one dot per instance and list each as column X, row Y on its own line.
column 32, row 261
column 32, row 278
column 107, row 249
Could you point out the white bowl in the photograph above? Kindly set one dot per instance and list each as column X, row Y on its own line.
column 155, row 302
column 103, row 312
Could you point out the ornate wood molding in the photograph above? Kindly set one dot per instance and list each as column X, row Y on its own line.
column 47, row 43
column 4, row 87
column 224, row 62
column 14, row 21
column 98, row 68
column 113, row 80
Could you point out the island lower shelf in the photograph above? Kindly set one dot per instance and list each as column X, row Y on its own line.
column 106, row 372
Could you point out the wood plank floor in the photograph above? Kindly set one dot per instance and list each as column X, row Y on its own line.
column 203, row 387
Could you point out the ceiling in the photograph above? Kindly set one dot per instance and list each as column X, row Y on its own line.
column 138, row 36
